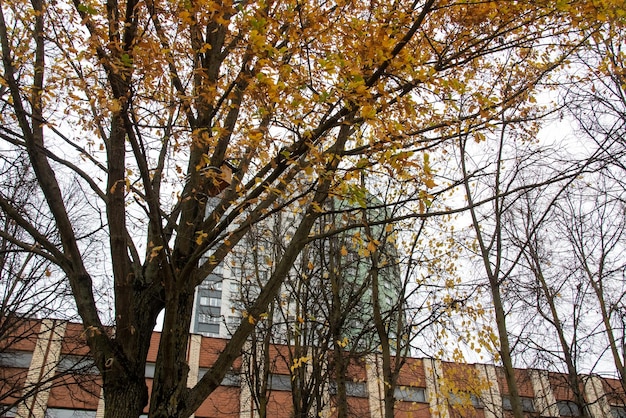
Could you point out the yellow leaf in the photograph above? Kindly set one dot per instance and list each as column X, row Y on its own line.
column 368, row 112
column 429, row 182
column 200, row 236
column 343, row 343
column 185, row 16
column 298, row 362
column 344, row 251
column 115, row 106
column 155, row 251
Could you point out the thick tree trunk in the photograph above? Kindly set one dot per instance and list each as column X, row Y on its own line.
column 169, row 393
column 124, row 397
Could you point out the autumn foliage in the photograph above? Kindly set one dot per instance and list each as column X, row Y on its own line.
column 159, row 132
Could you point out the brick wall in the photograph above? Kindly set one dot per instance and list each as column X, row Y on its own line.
column 47, row 367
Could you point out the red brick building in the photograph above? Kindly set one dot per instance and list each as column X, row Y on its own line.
column 47, row 369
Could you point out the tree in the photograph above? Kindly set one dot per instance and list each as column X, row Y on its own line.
column 592, row 214
column 568, row 280
column 549, row 292
column 29, row 292
column 146, row 105
column 568, row 236
column 497, row 174
column 595, row 234
column 327, row 303
column 490, row 252
column 511, row 237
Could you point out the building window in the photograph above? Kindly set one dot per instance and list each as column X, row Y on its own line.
column 237, row 306
column 528, row 404
column 234, row 320
column 77, row 364
column 230, row 379
column 354, row 389
column 618, row 411
column 409, row 394
column 11, row 413
column 280, row 382
column 464, row 399
column 209, row 301
column 209, row 319
column 236, row 272
column 211, row 285
column 150, row 369
column 476, row 401
column 69, row 413
column 568, row 409
column 18, row 359
column 209, row 334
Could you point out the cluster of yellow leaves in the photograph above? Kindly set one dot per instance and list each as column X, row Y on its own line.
column 600, row 11
column 460, row 384
column 299, row 362
column 343, row 343
column 304, row 59
column 200, row 236
column 154, row 251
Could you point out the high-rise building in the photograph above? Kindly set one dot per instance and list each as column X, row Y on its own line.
column 333, row 275
column 211, row 305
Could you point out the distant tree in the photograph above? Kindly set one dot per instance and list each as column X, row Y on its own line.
column 593, row 213
column 490, row 252
column 551, row 295
column 31, row 289
column 595, row 229
column 498, row 173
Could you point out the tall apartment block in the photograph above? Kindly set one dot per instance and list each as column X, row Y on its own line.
column 339, row 262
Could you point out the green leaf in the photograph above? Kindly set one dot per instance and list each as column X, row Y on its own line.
column 87, row 9
column 127, row 60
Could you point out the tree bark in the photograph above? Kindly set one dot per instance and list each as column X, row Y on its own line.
column 574, row 381
column 171, row 365
column 492, row 270
column 125, row 394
